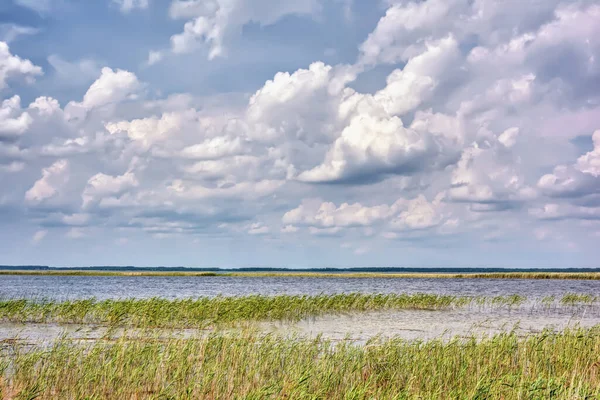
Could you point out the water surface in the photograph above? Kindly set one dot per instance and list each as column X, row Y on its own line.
column 172, row 287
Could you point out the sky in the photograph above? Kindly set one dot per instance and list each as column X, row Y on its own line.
column 306, row 133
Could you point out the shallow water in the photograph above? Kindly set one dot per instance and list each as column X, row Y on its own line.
column 445, row 324
column 170, row 287
column 355, row 327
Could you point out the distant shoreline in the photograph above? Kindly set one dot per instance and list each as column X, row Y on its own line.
column 591, row 274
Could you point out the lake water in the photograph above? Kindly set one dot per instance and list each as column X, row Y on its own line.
column 172, row 287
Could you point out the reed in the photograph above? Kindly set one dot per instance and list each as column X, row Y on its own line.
column 202, row 312
column 544, row 366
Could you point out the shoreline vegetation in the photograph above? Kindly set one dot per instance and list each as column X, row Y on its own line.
column 217, row 311
column 542, row 366
column 290, row 274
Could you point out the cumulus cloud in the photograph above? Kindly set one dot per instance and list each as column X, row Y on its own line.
column 404, row 215
column 578, row 180
column 13, row 121
column 13, row 66
column 50, row 184
column 102, row 186
column 113, row 86
column 589, row 163
column 489, row 179
column 215, row 22
column 478, row 127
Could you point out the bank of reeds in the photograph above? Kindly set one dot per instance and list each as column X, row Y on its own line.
column 249, row 366
column 200, row 312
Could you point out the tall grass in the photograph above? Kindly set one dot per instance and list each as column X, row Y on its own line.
column 158, row 312
column 544, row 366
column 204, row 311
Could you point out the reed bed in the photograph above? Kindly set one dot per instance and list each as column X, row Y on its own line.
column 157, row 312
column 202, row 312
column 549, row 365
column 486, row 275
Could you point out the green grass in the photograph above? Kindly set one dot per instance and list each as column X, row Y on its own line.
column 490, row 275
column 249, row 366
column 202, row 312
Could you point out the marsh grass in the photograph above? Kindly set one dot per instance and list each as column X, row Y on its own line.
column 201, row 312
column 250, row 366
column 204, row 312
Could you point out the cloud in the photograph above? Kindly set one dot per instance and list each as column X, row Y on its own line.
column 154, row 57
column 578, row 180
column 50, row 184
column 258, row 228
column 454, row 124
column 38, row 236
column 489, row 179
column 112, row 87
column 12, row 66
column 102, row 186
column 404, row 215
column 13, row 121
column 589, row 163
column 128, row 5
column 11, row 32
column 215, row 22
column 80, row 72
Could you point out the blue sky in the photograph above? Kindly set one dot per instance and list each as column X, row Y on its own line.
column 314, row 133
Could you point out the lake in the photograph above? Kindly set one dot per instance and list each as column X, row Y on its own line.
column 172, row 287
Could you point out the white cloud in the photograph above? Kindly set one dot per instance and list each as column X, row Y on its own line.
column 489, row 179
column 147, row 131
column 589, row 163
column 13, row 121
column 101, row 185
column 402, row 215
column 127, row 5
column 578, row 180
column 49, row 185
column 113, row 86
column 215, row 22
column 477, row 133
column 12, row 66
column 400, row 28
column 45, row 106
